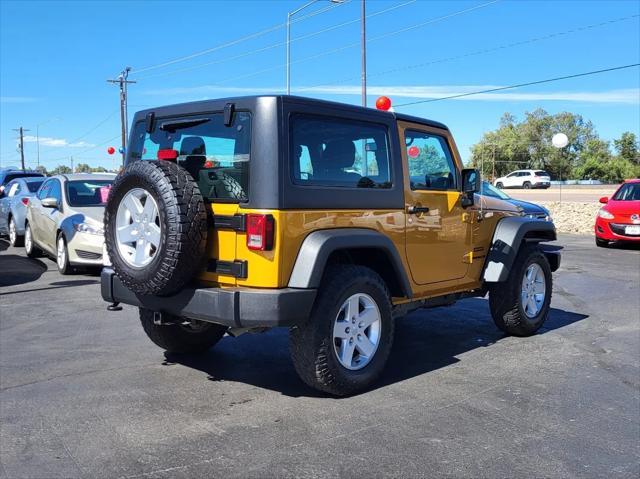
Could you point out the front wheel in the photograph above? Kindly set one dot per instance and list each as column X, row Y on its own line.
column 62, row 255
column 344, row 346
column 499, row 185
column 183, row 336
column 520, row 305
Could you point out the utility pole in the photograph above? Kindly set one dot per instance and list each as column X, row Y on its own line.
column 123, row 82
column 363, row 53
column 21, row 131
column 71, row 158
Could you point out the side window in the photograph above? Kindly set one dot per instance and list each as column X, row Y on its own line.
column 44, row 190
column 337, row 152
column 431, row 165
column 55, row 191
column 512, row 175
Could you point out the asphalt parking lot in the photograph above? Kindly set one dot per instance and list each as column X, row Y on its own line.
column 84, row 393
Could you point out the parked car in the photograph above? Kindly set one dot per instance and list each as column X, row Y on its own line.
column 619, row 219
column 13, row 207
column 9, row 174
column 249, row 213
column 524, row 179
column 530, row 210
column 64, row 220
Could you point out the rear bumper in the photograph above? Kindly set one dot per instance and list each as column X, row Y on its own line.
column 233, row 307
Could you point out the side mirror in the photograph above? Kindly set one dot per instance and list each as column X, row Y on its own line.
column 471, row 183
column 50, row 203
column 604, row 200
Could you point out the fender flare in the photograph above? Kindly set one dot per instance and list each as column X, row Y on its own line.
column 509, row 234
column 317, row 247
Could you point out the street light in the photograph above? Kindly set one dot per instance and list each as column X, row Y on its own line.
column 55, row 118
column 289, row 15
column 560, row 140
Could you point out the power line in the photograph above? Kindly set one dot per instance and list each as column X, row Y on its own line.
column 473, row 53
column 519, row 85
column 237, row 41
column 280, row 44
column 355, row 44
column 102, row 122
column 85, row 150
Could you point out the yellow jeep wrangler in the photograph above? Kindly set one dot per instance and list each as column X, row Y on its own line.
column 243, row 214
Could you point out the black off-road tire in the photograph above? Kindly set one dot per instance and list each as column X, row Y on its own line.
column 505, row 299
column 311, row 343
column 233, row 188
column 499, row 185
column 602, row 243
column 30, row 247
column 183, row 224
column 179, row 338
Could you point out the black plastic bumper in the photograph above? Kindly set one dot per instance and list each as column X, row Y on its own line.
column 234, row 307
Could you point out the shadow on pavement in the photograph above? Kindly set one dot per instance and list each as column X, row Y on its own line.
column 16, row 269
column 425, row 340
column 54, row 285
column 4, row 244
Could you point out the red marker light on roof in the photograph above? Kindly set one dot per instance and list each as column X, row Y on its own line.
column 111, row 150
column 383, row 103
column 168, row 154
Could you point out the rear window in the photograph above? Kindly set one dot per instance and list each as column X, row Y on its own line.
column 87, row 192
column 34, row 185
column 541, row 173
column 339, row 153
column 216, row 156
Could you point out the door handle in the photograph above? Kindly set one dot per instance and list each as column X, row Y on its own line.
column 414, row 210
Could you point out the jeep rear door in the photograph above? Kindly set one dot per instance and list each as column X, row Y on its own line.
column 437, row 237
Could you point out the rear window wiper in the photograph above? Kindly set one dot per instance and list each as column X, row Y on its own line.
column 179, row 124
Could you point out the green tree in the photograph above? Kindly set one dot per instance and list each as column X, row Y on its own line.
column 41, row 169
column 83, row 168
column 627, row 147
column 98, row 169
column 61, row 170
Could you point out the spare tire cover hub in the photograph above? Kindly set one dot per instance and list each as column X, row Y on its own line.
column 138, row 227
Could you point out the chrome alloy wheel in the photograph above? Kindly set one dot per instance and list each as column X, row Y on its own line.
column 61, row 255
column 138, row 227
column 534, row 290
column 356, row 331
column 13, row 234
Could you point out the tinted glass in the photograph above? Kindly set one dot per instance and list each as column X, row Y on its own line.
column 12, row 188
column 490, row 190
column 216, row 156
column 541, row 173
column 44, row 191
column 628, row 192
column 339, row 153
column 87, row 192
column 431, row 165
column 55, row 190
column 13, row 176
column 33, row 185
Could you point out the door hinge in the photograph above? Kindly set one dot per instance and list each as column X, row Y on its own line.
column 237, row 269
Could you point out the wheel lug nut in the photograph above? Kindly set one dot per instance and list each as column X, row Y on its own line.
column 350, row 340
column 361, row 324
column 347, row 330
column 359, row 337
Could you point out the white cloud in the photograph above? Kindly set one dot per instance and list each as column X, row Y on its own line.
column 57, row 142
column 17, row 99
column 629, row 96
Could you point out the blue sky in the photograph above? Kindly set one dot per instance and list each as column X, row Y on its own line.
column 55, row 58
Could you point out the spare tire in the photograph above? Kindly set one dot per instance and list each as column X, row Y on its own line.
column 155, row 227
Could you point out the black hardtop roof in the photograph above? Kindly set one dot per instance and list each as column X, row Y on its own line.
column 218, row 103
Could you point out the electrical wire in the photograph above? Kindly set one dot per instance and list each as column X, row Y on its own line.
column 79, row 152
column 351, row 45
column 519, row 85
column 470, row 54
column 279, row 44
column 237, row 41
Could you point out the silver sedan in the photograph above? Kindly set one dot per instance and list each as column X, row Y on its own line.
column 13, row 207
column 65, row 220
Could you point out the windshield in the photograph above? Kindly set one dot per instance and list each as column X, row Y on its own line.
column 88, row 192
column 628, row 192
column 217, row 156
column 490, row 190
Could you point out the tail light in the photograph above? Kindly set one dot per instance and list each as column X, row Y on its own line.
column 168, row 154
column 25, row 201
column 260, row 232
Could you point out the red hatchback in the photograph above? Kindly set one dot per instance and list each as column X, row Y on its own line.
column 619, row 218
